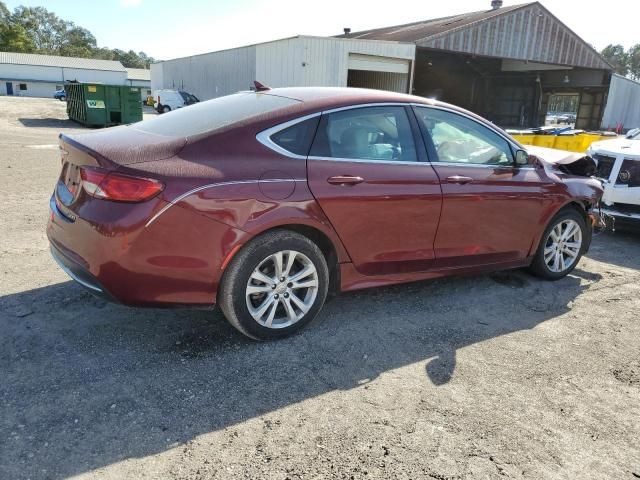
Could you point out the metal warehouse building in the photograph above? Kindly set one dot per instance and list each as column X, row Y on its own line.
column 509, row 64
column 505, row 64
column 30, row 75
column 297, row 61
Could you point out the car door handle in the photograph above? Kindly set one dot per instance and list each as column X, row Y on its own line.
column 345, row 180
column 459, row 179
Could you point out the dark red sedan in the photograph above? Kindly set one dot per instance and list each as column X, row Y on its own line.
column 264, row 202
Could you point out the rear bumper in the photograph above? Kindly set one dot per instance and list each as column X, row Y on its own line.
column 80, row 275
column 110, row 250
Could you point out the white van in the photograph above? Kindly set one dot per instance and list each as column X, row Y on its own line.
column 166, row 100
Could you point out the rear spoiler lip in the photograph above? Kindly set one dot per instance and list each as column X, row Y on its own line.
column 106, row 162
column 103, row 161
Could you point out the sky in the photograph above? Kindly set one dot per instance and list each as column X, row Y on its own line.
column 166, row 29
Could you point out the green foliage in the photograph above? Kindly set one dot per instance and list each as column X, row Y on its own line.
column 37, row 30
column 617, row 57
column 627, row 62
column 633, row 61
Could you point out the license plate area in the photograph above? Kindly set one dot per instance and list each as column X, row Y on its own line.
column 70, row 177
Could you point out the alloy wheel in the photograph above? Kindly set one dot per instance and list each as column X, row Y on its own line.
column 282, row 289
column 563, row 245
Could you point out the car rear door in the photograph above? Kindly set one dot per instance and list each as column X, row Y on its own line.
column 491, row 207
column 381, row 196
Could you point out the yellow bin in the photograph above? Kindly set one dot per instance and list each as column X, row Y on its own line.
column 571, row 143
column 524, row 139
column 544, row 140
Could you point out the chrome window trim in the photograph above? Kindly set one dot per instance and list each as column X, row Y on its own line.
column 482, row 165
column 264, row 137
column 214, row 185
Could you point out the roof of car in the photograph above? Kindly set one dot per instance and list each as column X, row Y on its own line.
column 348, row 94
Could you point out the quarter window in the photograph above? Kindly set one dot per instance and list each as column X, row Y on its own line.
column 368, row 133
column 459, row 139
column 297, row 138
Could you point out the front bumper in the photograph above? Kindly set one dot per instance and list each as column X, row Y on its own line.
column 622, row 215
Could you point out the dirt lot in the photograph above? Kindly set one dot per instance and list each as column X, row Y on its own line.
column 500, row 376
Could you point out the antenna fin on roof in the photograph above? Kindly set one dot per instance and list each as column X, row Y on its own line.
column 260, row 87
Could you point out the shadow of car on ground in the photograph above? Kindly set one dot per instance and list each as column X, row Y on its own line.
column 125, row 383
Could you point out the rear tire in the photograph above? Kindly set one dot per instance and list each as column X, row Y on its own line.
column 562, row 245
column 166, row 109
column 274, row 286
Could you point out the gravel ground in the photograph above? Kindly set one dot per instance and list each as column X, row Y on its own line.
column 498, row 376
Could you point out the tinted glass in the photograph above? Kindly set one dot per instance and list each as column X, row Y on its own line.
column 368, row 133
column 297, row 138
column 213, row 114
column 459, row 139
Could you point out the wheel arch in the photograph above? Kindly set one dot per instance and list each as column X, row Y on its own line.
column 331, row 251
column 582, row 206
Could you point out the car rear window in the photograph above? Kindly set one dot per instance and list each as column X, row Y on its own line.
column 213, row 114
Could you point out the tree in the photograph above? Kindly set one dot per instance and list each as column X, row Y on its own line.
column 617, row 57
column 13, row 37
column 45, row 28
column 633, row 61
column 78, row 42
column 37, row 30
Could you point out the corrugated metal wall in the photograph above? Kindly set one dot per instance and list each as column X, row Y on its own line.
column 318, row 61
column 210, row 75
column 529, row 33
column 623, row 104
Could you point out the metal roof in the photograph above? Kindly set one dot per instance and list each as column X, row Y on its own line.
column 413, row 32
column 138, row 74
column 56, row 61
column 524, row 32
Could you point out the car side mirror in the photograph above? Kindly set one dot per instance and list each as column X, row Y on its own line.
column 522, row 158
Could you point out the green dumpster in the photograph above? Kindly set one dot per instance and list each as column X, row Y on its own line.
column 99, row 105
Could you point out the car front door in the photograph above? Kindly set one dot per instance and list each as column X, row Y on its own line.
column 380, row 194
column 491, row 207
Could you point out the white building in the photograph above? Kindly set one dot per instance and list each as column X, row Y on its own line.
column 296, row 61
column 30, row 75
column 140, row 77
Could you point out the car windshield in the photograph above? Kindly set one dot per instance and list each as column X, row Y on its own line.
column 213, row 114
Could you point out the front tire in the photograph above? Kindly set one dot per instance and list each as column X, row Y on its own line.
column 562, row 245
column 274, row 286
column 166, row 109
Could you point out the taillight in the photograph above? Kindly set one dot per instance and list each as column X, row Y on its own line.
column 107, row 185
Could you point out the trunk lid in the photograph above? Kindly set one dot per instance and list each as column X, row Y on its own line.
column 108, row 149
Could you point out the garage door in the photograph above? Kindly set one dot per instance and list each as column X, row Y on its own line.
column 382, row 73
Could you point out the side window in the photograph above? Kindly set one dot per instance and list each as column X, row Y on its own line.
column 459, row 139
column 367, row 133
column 297, row 138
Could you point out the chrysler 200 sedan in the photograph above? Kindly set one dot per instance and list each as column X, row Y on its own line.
column 264, row 202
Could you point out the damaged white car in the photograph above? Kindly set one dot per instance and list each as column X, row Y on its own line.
column 618, row 166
